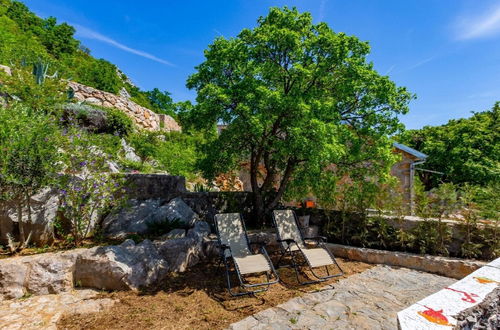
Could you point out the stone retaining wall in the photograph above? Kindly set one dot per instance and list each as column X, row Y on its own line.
column 450, row 267
column 154, row 186
column 207, row 204
column 143, row 117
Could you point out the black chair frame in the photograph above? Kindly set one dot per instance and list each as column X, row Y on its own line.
column 320, row 243
column 261, row 287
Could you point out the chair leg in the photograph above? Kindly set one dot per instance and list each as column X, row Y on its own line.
column 219, row 265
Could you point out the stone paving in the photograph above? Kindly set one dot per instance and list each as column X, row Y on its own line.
column 369, row 300
column 43, row 312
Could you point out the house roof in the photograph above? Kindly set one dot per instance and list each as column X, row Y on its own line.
column 411, row 151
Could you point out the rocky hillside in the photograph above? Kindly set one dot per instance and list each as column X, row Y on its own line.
column 26, row 38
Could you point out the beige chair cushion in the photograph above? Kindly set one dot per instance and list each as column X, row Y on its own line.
column 232, row 234
column 317, row 257
column 252, row 264
column 288, row 229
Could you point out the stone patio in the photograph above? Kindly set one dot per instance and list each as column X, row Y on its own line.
column 369, row 300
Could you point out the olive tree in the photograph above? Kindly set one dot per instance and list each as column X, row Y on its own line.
column 28, row 159
column 295, row 97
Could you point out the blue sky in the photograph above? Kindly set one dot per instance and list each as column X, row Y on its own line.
column 445, row 51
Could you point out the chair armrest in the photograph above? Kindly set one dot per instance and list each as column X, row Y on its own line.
column 316, row 238
column 258, row 243
column 224, row 246
column 287, row 241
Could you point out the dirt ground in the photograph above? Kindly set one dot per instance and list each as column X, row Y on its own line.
column 196, row 299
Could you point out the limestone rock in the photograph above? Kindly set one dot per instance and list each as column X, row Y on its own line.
column 124, row 93
column 122, row 267
column 181, row 253
column 200, row 230
column 93, row 100
column 178, row 210
column 113, row 167
column 6, row 69
column 174, row 233
column 37, row 275
column 44, row 206
column 130, row 152
column 134, row 218
column 87, row 117
column 12, row 276
column 143, row 117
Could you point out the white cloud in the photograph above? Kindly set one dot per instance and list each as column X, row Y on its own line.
column 420, row 63
column 485, row 25
column 390, row 69
column 87, row 33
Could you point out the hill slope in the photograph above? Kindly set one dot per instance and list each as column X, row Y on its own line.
column 27, row 38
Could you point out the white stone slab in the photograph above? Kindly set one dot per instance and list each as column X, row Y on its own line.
column 481, row 282
column 418, row 317
column 495, row 263
column 450, row 302
column 437, row 311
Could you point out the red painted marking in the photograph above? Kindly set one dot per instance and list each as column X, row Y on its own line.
column 468, row 296
column 435, row 316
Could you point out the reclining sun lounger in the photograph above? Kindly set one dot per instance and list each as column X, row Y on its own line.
column 293, row 244
column 234, row 245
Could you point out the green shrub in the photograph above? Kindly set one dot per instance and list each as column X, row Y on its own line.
column 118, row 123
column 35, row 93
column 175, row 152
column 87, row 191
column 29, row 157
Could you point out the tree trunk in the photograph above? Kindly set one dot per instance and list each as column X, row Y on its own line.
column 258, row 200
column 20, row 220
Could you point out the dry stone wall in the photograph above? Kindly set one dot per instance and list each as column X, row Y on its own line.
column 143, row 117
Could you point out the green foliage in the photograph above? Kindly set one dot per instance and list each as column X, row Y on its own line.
column 465, row 150
column 161, row 101
column 432, row 234
column 175, row 152
column 33, row 88
column 86, row 191
column 57, row 39
column 155, row 100
column 23, row 35
column 28, row 156
column 99, row 74
column 296, row 97
column 118, row 123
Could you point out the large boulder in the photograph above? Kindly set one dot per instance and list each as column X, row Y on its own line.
column 177, row 209
column 37, row 275
column 182, row 253
column 138, row 215
column 127, row 266
column 121, row 267
column 134, row 218
column 44, row 208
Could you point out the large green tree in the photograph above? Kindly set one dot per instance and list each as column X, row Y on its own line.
column 295, row 97
column 465, row 150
